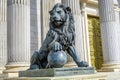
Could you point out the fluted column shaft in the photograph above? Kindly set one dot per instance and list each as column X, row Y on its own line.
column 118, row 3
column 119, row 8
column 35, row 25
column 3, row 33
column 75, row 6
column 46, row 6
column 18, row 32
column 109, row 32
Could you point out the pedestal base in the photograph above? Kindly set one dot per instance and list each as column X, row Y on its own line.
column 12, row 70
column 110, row 68
column 2, row 69
column 56, row 72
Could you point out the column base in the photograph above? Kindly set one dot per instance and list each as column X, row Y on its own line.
column 110, row 68
column 2, row 69
column 12, row 69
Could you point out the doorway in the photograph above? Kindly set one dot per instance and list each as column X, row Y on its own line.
column 95, row 42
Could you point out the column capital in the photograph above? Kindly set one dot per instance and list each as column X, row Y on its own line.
column 83, row 7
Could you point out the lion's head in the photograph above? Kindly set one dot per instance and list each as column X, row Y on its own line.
column 62, row 18
column 58, row 15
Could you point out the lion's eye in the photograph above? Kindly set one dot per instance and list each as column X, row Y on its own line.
column 58, row 11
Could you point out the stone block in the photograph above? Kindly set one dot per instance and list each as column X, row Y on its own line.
column 52, row 72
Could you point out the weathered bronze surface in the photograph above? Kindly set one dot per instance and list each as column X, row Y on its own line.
column 61, row 36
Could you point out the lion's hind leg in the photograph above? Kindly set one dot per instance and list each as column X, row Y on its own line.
column 35, row 61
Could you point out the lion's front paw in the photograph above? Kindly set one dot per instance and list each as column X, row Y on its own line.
column 83, row 64
column 57, row 46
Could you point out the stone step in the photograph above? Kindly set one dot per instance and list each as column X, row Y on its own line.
column 96, row 76
column 77, row 77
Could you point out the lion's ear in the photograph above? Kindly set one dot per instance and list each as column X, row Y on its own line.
column 68, row 9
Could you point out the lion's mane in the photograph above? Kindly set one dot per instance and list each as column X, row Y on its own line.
column 68, row 23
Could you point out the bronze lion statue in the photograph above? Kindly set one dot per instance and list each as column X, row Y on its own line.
column 61, row 36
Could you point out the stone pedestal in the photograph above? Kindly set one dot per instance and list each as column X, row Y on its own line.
column 110, row 35
column 57, row 72
column 18, row 31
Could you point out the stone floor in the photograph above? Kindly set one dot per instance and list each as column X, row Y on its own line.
column 96, row 76
column 2, row 76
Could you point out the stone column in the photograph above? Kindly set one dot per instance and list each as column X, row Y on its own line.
column 18, row 31
column 3, row 34
column 117, row 11
column 46, row 6
column 75, row 6
column 35, row 25
column 109, row 33
column 57, row 1
column 118, row 3
column 117, row 15
column 119, row 7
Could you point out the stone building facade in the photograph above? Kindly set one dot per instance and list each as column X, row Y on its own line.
column 24, row 24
